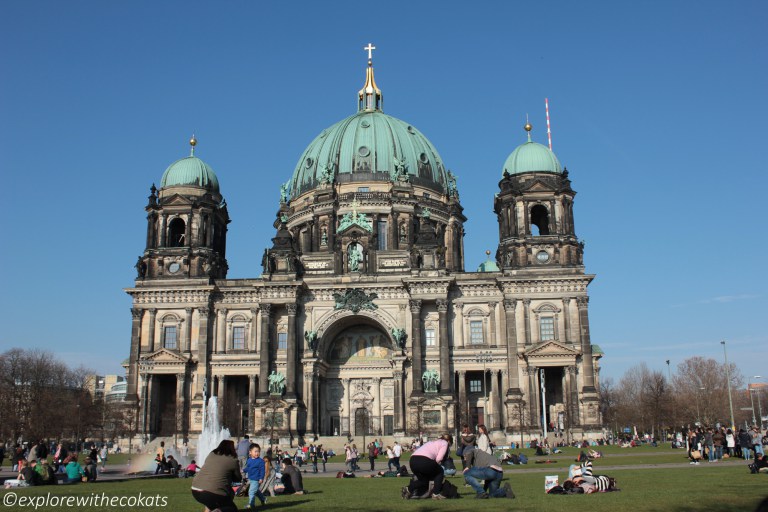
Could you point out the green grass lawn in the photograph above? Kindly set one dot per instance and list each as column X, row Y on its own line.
column 688, row 489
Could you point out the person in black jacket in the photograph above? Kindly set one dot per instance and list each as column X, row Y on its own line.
column 745, row 442
column 292, row 479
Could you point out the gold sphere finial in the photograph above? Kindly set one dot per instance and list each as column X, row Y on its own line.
column 193, row 141
column 528, row 127
column 487, row 253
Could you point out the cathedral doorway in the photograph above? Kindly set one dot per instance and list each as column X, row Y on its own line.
column 236, row 405
column 362, row 422
column 164, row 409
column 555, row 398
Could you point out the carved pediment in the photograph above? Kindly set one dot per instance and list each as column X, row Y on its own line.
column 177, row 200
column 164, row 357
column 551, row 349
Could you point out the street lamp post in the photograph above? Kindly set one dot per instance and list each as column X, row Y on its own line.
column 698, row 414
column 759, row 404
column 728, row 378
column 752, row 402
column 485, row 358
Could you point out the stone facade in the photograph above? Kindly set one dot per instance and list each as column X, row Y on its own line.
column 364, row 314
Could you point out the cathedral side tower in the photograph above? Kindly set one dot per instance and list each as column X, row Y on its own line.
column 535, row 211
column 186, row 224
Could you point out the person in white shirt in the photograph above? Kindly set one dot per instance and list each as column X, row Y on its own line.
column 483, row 441
column 397, row 451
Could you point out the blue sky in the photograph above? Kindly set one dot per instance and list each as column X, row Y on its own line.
column 658, row 110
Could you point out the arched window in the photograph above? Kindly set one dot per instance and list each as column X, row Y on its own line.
column 177, row 233
column 540, row 220
column 170, row 327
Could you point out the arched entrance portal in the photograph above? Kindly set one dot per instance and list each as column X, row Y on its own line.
column 359, row 390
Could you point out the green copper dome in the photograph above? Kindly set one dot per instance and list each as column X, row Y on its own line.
column 368, row 146
column 532, row 157
column 190, row 171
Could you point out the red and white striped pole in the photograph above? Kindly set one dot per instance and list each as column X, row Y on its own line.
column 549, row 132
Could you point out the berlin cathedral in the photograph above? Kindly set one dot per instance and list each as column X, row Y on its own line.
column 364, row 320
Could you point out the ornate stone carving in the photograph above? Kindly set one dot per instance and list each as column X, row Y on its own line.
column 266, row 309
column 355, row 300
column 136, row 313
column 510, row 304
column 582, row 302
column 415, row 305
column 292, row 308
column 442, row 305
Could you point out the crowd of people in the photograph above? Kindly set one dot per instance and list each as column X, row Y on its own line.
column 33, row 467
column 713, row 444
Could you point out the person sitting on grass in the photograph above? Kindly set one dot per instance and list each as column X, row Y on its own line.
column 90, row 469
column 254, row 468
column 73, row 469
column 480, row 466
column 268, row 485
column 47, row 475
column 760, row 465
column 212, row 486
column 292, row 479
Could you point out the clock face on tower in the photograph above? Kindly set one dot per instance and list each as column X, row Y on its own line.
column 542, row 256
column 174, row 267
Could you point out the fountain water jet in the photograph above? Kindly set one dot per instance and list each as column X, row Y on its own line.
column 213, row 433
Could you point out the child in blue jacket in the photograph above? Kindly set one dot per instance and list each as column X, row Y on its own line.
column 254, row 468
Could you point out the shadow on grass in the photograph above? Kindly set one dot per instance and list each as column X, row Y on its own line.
column 271, row 505
column 725, row 507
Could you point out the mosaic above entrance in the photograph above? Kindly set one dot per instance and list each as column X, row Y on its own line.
column 359, row 345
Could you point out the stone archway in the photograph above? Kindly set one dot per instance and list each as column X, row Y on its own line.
column 357, row 377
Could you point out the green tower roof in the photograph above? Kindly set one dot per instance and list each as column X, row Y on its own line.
column 532, row 157
column 190, row 171
column 488, row 265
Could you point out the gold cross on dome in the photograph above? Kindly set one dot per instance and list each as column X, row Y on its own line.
column 370, row 49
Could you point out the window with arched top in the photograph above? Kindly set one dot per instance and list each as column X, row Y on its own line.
column 177, row 233
column 238, row 332
column 170, row 329
column 546, row 316
column 476, row 323
column 539, row 220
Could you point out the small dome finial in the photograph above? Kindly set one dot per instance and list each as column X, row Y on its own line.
column 528, row 127
column 488, row 253
column 193, row 143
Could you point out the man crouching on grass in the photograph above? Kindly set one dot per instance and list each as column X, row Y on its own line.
column 480, row 465
column 292, row 479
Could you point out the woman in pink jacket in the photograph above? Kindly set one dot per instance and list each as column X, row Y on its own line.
column 426, row 467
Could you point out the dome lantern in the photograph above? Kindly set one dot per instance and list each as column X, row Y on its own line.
column 369, row 97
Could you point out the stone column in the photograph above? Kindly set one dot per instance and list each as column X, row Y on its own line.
column 221, row 390
column 163, row 219
column 573, row 389
column 251, row 404
column 464, row 413
column 202, row 351
column 309, row 400
column 533, row 393
column 181, row 382
column 527, row 320
column 290, row 371
column 567, row 320
column 458, row 309
column 377, row 423
column 496, row 402
column 586, row 346
column 145, row 404
column 266, row 312
column 221, row 330
column 133, row 361
column 347, row 405
column 188, row 330
column 151, row 337
column 254, row 330
column 512, row 349
column 416, row 363
column 397, row 378
column 492, row 320
column 446, row 383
